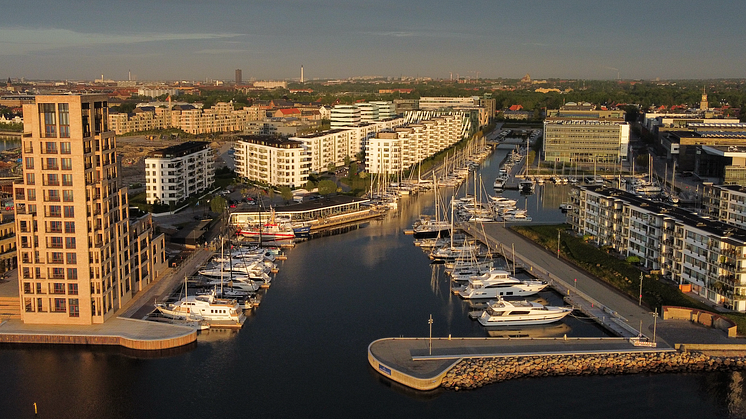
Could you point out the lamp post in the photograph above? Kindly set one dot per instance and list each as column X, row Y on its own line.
column 639, row 303
column 430, row 344
column 558, row 243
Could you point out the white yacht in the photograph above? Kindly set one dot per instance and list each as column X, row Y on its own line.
column 517, row 216
column 499, row 283
column 514, row 313
column 203, row 307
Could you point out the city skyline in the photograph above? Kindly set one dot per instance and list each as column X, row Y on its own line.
column 183, row 40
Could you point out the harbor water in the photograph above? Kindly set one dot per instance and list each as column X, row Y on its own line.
column 302, row 353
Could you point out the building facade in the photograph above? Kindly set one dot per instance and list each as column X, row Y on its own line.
column 577, row 135
column 175, row 173
column 271, row 160
column 73, row 230
column 692, row 250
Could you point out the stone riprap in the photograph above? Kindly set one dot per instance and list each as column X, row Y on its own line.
column 472, row 373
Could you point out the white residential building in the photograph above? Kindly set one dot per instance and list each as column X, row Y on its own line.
column 703, row 253
column 403, row 147
column 271, row 160
column 174, row 173
column 345, row 116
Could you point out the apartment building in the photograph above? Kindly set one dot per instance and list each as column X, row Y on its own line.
column 73, row 231
column 581, row 135
column 403, row 147
column 220, row 118
column 175, row 173
column 345, row 116
column 8, row 250
column 272, row 160
column 706, row 254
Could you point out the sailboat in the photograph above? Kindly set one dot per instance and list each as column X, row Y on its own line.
column 427, row 227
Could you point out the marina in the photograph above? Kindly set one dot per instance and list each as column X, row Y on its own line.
column 324, row 350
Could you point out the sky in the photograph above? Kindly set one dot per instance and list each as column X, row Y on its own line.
column 201, row 40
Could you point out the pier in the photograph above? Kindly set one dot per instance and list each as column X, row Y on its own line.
column 422, row 363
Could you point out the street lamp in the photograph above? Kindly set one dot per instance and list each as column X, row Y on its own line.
column 430, row 322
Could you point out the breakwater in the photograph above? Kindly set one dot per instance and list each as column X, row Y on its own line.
column 472, row 373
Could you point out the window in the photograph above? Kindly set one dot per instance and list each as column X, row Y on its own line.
column 39, row 304
column 48, row 120
column 52, row 180
column 74, row 309
column 72, row 289
column 39, row 289
column 51, row 148
column 71, row 258
column 67, row 180
column 55, row 211
column 64, row 109
column 58, row 288
column 55, row 242
column 30, row 179
column 55, row 227
column 65, row 147
column 67, row 196
column 67, row 164
column 59, row 305
column 57, row 257
column 31, row 194
column 51, row 163
column 53, row 195
column 29, row 162
column 69, row 211
column 28, row 303
column 70, row 243
column 72, row 273
column 27, row 289
column 69, row 227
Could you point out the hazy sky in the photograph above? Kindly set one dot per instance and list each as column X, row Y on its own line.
column 209, row 39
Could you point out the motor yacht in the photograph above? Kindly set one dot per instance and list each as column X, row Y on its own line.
column 513, row 313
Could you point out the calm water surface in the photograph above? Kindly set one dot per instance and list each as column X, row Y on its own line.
column 303, row 352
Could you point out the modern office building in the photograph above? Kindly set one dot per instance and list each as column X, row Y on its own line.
column 271, row 160
column 76, row 243
column 239, row 78
column 693, row 251
column 175, row 173
column 578, row 134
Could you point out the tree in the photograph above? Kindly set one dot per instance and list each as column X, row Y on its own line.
column 218, row 204
column 331, row 167
column 286, row 193
column 327, row 187
column 310, row 185
column 347, row 160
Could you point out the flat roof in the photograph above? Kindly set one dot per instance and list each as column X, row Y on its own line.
column 179, row 150
column 717, row 228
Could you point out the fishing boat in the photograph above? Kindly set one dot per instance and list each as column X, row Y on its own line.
column 514, row 313
column 272, row 230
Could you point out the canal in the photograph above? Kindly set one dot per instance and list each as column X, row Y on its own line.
column 302, row 353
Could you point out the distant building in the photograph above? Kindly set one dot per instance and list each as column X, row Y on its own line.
column 271, row 84
column 175, row 173
column 239, row 79
column 580, row 134
column 345, row 116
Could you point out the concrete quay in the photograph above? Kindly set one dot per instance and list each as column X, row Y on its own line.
column 127, row 330
column 422, row 363
column 612, row 309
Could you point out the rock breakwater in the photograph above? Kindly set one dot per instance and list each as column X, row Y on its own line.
column 472, row 373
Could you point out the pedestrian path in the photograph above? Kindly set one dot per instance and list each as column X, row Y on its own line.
column 607, row 305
